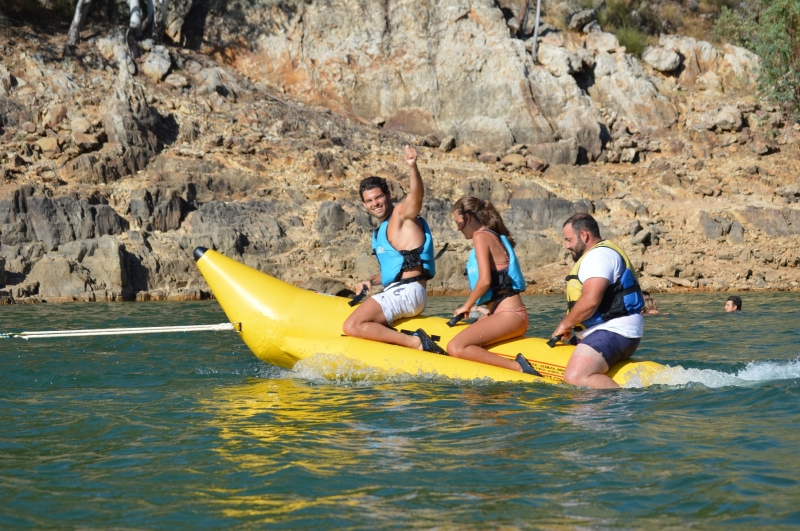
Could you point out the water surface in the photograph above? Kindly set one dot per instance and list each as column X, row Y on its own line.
column 192, row 431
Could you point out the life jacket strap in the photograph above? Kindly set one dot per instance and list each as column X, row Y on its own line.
column 632, row 289
column 408, row 280
column 412, row 258
column 500, row 298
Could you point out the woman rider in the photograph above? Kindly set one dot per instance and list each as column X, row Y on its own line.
column 496, row 280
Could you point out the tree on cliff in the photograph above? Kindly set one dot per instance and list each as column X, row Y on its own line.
column 770, row 28
column 778, row 44
column 156, row 20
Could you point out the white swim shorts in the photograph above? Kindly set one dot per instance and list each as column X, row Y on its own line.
column 402, row 300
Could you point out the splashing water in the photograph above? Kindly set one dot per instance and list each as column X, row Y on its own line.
column 340, row 370
column 753, row 374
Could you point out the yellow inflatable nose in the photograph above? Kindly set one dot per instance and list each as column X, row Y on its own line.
column 268, row 309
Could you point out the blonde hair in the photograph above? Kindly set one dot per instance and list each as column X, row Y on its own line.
column 485, row 213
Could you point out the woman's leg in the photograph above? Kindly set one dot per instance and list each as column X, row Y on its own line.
column 490, row 329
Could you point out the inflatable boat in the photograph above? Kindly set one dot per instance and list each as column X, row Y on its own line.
column 283, row 324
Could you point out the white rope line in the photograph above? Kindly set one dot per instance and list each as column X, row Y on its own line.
column 221, row 327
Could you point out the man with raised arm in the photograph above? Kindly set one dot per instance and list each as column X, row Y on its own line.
column 403, row 245
column 604, row 302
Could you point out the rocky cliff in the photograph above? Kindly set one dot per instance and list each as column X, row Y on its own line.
column 119, row 160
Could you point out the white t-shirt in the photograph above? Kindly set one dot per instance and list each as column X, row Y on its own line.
column 603, row 262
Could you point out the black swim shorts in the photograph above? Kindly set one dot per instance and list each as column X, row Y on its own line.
column 611, row 345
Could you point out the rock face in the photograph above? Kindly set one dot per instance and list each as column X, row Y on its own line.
column 6, row 80
column 661, row 59
column 621, row 85
column 730, row 64
column 774, row 222
column 232, row 225
column 729, row 118
column 414, row 66
column 109, row 182
column 404, row 62
column 83, row 269
column 130, row 122
column 600, row 41
column 582, row 18
column 176, row 16
column 331, row 218
column 59, row 278
column 157, row 63
column 130, row 125
column 63, row 220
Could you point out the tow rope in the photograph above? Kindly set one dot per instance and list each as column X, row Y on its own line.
column 221, row 327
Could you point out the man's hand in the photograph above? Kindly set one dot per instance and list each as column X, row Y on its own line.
column 565, row 331
column 411, row 156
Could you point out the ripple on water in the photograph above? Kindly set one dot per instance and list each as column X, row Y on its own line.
column 192, row 431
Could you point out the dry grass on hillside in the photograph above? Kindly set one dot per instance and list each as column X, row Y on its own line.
column 637, row 22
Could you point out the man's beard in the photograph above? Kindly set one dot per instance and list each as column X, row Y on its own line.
column 576, row 253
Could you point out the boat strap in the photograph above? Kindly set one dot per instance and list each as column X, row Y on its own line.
column 409, row 333
column 432, row 336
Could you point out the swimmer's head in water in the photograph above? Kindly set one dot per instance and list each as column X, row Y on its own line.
column 733, row 304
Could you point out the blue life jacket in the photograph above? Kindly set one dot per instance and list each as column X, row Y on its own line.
column 623, row 297
column 505, row 283
column 394, row 262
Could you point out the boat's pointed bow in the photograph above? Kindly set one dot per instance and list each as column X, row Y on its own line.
column 250, row 297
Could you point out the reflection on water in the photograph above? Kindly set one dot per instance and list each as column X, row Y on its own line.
column 191, row 431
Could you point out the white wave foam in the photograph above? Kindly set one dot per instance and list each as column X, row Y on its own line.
column 338, row 369
column 755, row 372
column 770, row 370
column 255, row 370
column 331, row 368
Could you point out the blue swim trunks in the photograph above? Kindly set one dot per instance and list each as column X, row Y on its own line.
column 611, row 345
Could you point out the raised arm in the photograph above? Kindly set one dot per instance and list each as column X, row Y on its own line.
column 411, row 205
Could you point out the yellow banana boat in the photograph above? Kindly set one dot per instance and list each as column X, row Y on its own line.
column 283, row 324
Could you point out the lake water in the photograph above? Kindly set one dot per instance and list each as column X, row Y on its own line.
column 192, row 431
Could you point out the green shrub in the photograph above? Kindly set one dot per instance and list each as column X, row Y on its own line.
column 616, row 13
column 770, row 28
column 713, row 6
column 777, row 41
column 38, row 10
column 672, row 15
column 736, row 27
column 632, row 39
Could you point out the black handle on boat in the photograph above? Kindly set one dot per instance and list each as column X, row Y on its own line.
column 456, row 318
column 553, row 341
column 358, row 298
